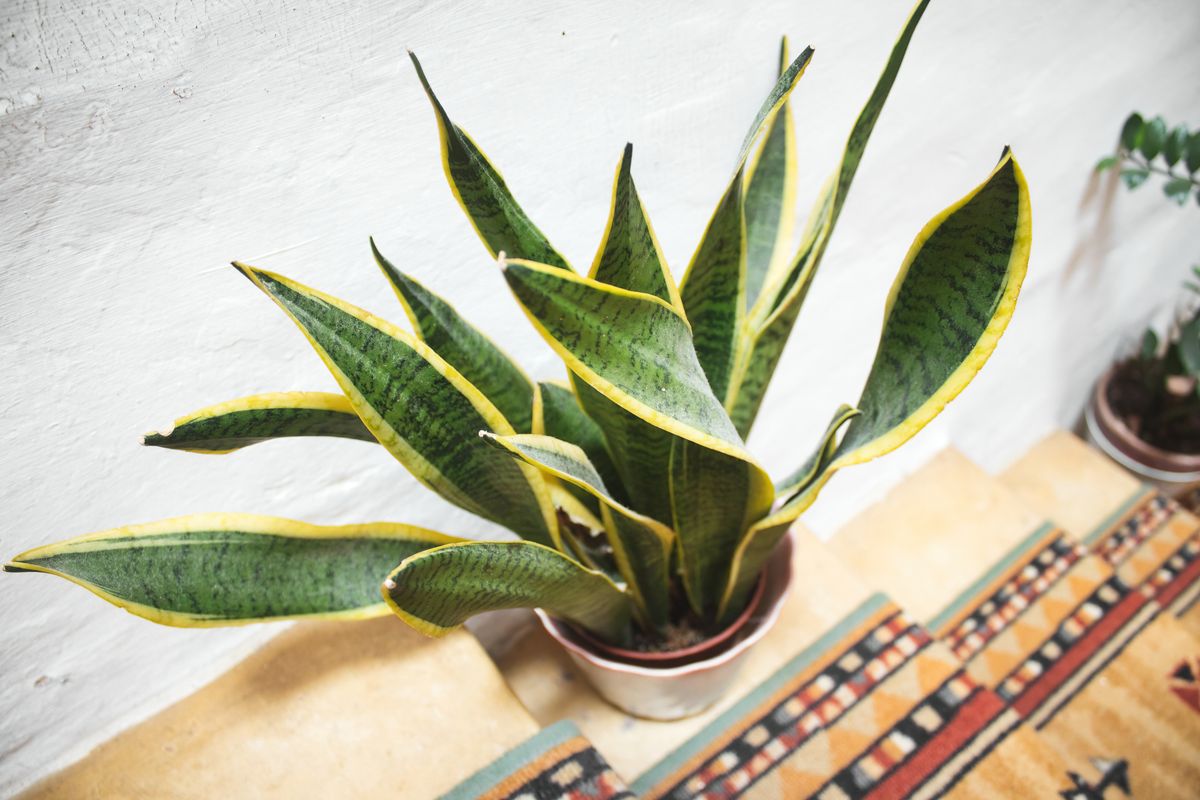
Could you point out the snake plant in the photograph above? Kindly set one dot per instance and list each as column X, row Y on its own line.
column 637, row 505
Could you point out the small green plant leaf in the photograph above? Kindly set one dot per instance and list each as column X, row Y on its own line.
column 1192, row 157
column 228, row 569
column 234, row 424
column 1154, row 136
column 1131, row 131
column 1189, row 346
column 1134, row 176
column 1176, row 145
column 784, row 290
column 714, row 499
column 770, row 195
column 1106, row 163
column 630, row 256
column 1149, row 347
column 483, row 194
column 1178, row 189
column 464, row 347
column 439, row 589
column 641, row 545
column 419, row 407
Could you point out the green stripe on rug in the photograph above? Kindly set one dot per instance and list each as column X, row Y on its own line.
column 1095, row 534
column 725, row 723
column 520, row 756
column 971, row 593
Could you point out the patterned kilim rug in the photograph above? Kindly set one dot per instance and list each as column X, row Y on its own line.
column 556, row 764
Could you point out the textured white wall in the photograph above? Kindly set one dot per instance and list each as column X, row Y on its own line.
column 142, row 149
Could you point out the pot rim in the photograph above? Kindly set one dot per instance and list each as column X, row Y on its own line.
column 763, row 617
column 699, row 648
column 1128, row 449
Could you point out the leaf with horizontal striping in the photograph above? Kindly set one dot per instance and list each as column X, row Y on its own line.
column 481, row 191
column 486, row 366
column 770, row 195
column 714, row 499
column 631, row 347
column 777, row 307
column 439, row 589
column 807, row 472
column 629, row 255
column 227, row 569
column 714, row 286
column 641, row 545
column 234, row 424
column 419, row 407
column 953, row 298
column 563, row 417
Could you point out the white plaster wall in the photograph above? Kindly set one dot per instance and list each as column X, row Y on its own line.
column 141, row 148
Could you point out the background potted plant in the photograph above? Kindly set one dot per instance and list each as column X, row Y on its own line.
column 652, row 541
column 1145, row 410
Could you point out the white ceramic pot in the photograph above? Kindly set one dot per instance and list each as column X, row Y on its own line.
column 673, row 685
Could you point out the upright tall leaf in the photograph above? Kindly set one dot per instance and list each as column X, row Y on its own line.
column 468, row 350
column 714, row 499
column 714, row 285
column 234, row 424
column 442, row 588
column 770, row 195
column 229, row 569
column 419, row 407
column 641, row 545
column 953, row 298
column 777, row 307
column 481, row 191
column 630, row 256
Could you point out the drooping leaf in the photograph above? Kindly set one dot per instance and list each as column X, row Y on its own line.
column 439, row 589
column 563, row 418
column 629, row 256
column 1178, row 189
column 951, row 301
column 1131, row 131
column 775, row 312
column 419, row 407
column 641, row 545
column 1154, row 136
column 714, row 499
column 486, row 366
column 227, row 569
column 234, row 424
column 714, row 285
column 1175, row 145
column 481, row 191
column 770, row 195
column 1134, row 176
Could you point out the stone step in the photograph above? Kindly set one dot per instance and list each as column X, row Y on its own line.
column 326, row 709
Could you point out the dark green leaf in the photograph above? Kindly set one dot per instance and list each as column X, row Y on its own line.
column 1134, row 176
column 1193, row 151
column 1149, row 348
column 1178, row 189
column 1176, row 145
column 1153, row 138
column 1131, row 131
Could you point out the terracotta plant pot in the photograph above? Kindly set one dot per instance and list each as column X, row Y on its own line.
column 675, row 684
column 1170, row 471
